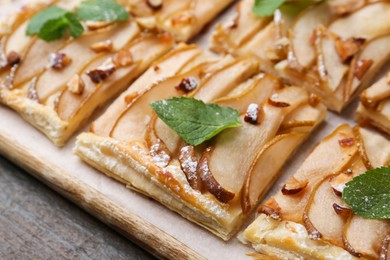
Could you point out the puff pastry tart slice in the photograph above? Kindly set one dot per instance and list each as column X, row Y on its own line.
column 183, row 19
column 333, row 48
column 308, row 219
column 214, row 184
column 57, row 85
column 374, row 106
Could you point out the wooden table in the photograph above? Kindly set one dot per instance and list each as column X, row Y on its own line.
column 37, row 223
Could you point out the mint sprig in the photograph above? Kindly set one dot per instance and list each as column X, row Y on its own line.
column 195, row 121
column 266, row 8
column 102, row 10
column 52, row 23
column 368, row 194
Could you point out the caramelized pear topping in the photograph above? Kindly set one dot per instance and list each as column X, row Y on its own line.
column 102, row 72
column 293, row 186
column 188, row 164
column 209, row 181
column 59, row 60
column 188, row 84
column 155, row 4
column 361, row 68
column 347, row 142
column 252, row 114
column 76, row 85
column 313, row 232
column 13, row 58
column 270, row 208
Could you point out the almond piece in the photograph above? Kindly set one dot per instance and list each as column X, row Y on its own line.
column 102, row 72
column 348, row 48
column 361, row 68
column 13, row 58
column 123, row 58
column 148, row 22
column 76, row 85
column 102, row 46
column 96, row 25
column 188, row 84
column 59, row 60
column 155, row 4
column 252, row 114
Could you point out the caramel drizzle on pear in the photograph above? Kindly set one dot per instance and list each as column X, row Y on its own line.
column 208, row 180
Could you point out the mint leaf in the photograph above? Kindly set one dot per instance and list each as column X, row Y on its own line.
column 369, row 194
column 52, row 23
column 75, row 27
column 194, row 120
column 102, row 10
column 266, row 7
column 39, row 20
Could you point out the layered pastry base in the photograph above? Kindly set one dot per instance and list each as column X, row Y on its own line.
column 308, row 219
column 333, row 48
column 374, row 106
column 215, row 184
column 57, row 85
column 183, row 19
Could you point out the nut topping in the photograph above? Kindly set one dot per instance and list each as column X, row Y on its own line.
column 340, row 210
column 155, row 4
column 96, row 25
column 188, row 84
column 270, row 208
column 147, row 22
column 102, row 72
column 347, row 142
column 293, row 186
column 59, row 60
column 76, row 85
column 277, row 103
column 348, row 48
column 361, row 68
column 13, row 58
column 102, row 46
column 252, row 114
column 123, row 58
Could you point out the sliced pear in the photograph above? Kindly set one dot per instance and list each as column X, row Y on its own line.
column 368, row 22
column 343, row 7
column 327, row 158
column 143, row 52
column 131, row 124
column 302, row 31
column 365, row 236
column 79, row 51
column 376, row 93
column 166, row 67
column 322, row 215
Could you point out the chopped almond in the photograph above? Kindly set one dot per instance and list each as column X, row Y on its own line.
column 293, row 186
column 59, row 60
column 341, row 210
column 102, row 72
column 123, row 58
column 96, row 25
column 348, row 48
column 188, row 84
column 76, row 84
column 361, row 68
column 147, row 22
column 155, row 4
column 347, row 142
column 252, row 114
column 102, row 46
column 270, row 208
column 13, row 58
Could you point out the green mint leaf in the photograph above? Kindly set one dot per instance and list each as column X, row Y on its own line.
column 266, row 7
column 194, row 120
column 75, row 27
column 102, row 10
column 369, row 194
column 53, row 29
column 41, row 19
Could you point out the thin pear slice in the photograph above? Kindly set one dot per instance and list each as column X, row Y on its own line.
column 366, row 236
column 143, row 52
column 376, row 51
column 231, row 35
column 166, row 67
column 302, row 32
column 326, row 159
column 376, row 93
column 368, row 22
column 132, row 123
column 81, row 54
column 343, row 7
column 320, row 211
column 236, row 149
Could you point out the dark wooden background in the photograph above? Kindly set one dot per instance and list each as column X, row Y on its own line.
column 37, row 223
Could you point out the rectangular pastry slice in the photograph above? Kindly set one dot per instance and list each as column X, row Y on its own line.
column 334, row 53
column 57, row 85
column 183, row 19
column 308, row 219
column 374, row 106
column 214, row 184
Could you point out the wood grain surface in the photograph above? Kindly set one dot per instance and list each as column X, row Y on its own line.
column 135, row 228
column 37, row 223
